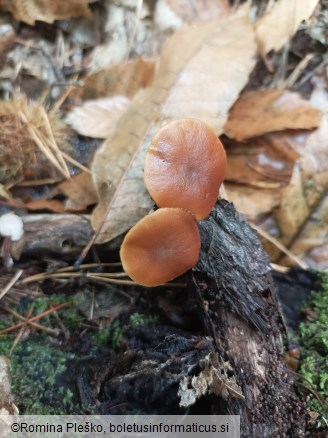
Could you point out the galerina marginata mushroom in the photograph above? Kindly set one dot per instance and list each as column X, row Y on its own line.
column 185, row 166
column 161, row 246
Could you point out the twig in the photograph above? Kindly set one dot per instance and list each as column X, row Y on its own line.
column 52, row 142
column 292, row 78
column 44, row 148
column 27, row 321
column 61, row 324
column 280, row 246
column 21, row 332
column 75, row 163
column 11, row 283
column 37, row 317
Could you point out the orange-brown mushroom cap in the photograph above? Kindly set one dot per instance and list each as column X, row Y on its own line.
column 161, row 246
column 185, row 166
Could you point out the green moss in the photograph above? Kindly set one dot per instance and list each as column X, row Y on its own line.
column 314, row 347
column 37, row 378
column 39, row 370
column 141, row 319
column 116, row 331
column 70, row 316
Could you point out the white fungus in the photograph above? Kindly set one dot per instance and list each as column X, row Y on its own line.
column 11, row 226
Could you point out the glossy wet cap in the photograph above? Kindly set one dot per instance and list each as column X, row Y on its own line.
column 161, row 246
column 185, row 166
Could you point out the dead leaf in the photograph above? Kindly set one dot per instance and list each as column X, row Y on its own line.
column 29, row 11
column 188, row 11
column 197, row 78
column 98, row 118
column 302, row 214
column 289, row 144
column 260, row 168
column 312, row 242
column 280, row 23
column 45, row 204
column 263, row 111
column 254, row 203
column 121, row 79
column 127, row 32
column 260, row 162
column 80, row 192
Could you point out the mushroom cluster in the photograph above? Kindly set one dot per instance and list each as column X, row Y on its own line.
column 184, row 168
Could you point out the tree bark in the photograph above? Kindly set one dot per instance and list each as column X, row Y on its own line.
column 241, row 312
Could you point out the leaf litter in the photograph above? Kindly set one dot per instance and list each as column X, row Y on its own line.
column 202, row 71
column 186, row 85
column 278, row 146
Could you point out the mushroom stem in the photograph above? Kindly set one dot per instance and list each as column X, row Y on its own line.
column 7, row 259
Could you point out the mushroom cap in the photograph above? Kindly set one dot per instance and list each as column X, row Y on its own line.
column 185, row 166
column 161, row 246
column 11, row 226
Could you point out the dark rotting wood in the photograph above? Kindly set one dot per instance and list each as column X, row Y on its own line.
column 241, row 312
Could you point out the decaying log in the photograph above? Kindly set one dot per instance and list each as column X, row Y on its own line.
column 56, row 234
column 236, row 293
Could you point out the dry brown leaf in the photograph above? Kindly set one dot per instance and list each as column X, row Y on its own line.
column 197, row 78
column 254, row 203
column 261, row 162
column 289, row 144
column 45, row 204
column 98, row 118
column 122, row 79
column 280, row 23
column 302, row 214
column 263, row 111
column 80, row 192
column 260, row 168
column 29, row 11
column 312, row 242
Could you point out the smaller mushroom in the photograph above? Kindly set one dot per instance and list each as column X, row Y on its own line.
column 11, row 228
column 161, row 246
column 185, row 166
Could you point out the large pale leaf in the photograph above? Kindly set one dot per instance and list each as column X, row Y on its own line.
column 280, row 23
column 202, row 70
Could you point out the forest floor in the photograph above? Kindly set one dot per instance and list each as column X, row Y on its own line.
column 83, row 89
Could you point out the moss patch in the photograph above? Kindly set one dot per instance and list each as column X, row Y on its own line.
column 314, row 347
column 38, row 369
column 37, row 378
column 116, row 330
